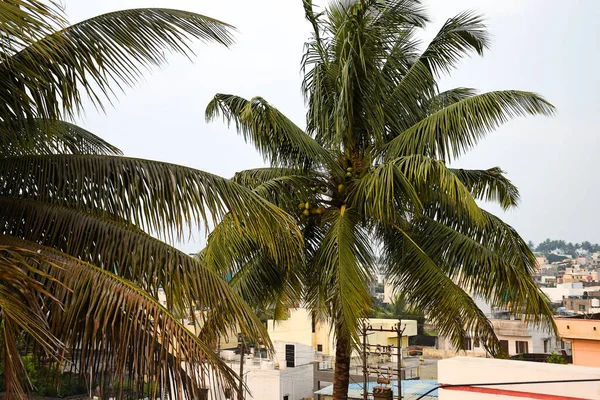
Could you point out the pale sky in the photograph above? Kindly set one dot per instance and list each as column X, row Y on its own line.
column 545, row 46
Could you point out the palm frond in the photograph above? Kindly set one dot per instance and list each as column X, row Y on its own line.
column 282, row 187
column 425, row 285
column 50, row 137
column 434, row 180
column 444, row 99
column 116, row 326
column 488, row 260
column 281, row 142
column 49, row 78
column 451, row 131
column 385, row 193
column 158, row 197
column 458, row 36
column 489, row 185
column 345, row 264
column 139, row 258
column 23, row 22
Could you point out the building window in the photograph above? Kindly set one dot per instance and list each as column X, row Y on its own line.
column 476, row 342
column 522, row 347
column 319, row 347
column 290, row 355
column 286, row 397
column 504, row 345
column 546, row 345
column 468, row 344
column 582, row 307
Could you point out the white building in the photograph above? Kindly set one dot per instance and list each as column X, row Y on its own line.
column 563, row 289
column 515, row 336
column 287, row 375
column 300, row 328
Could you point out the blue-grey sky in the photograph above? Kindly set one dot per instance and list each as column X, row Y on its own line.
column 545, row 46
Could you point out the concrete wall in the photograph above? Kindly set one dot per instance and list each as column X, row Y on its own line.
column 467, row 370
column 263, row 384
column 564, row 289
column 430, row 352
column 297, row 328
column 390, row 338
column 297, row 382
column 303, row 354
column 324, row 336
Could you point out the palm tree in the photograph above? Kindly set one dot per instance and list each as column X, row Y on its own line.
column 368, row 177
column 80, row 271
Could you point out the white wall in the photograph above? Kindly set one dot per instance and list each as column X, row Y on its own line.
column 297, row 382
column 564, row 289
column 263, row 384
column 303, row 354
column 462, row 370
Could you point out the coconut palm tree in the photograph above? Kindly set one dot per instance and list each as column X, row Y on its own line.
column 81, row 260
column 369, row 177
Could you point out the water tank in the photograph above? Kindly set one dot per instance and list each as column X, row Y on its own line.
column 267, row 365
column 228, row 355
column 595, row 303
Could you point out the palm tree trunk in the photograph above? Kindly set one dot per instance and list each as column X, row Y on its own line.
column 341, row 377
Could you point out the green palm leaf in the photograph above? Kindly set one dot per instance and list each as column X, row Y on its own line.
column 346, row 262
column 157, row 197
column 90, row 57
column 489, row 185
column 141, row 259
column 24, row 22
column 425, row 285
column 51, row 137
column 106, row 318
column 279, row 140
column 451, row 131
column 491, row 269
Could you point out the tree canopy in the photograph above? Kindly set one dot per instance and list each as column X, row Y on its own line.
column 369, row 180
column 83, row 229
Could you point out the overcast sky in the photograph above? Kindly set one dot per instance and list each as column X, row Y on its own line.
column 545, row 46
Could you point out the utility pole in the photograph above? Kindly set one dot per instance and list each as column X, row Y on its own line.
column 242, row 349
column 400, row 332
column 365, row 372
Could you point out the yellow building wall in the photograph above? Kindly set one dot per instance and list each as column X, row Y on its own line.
column 586, row 352
column 584, row 335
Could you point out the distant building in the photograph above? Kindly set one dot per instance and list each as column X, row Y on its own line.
column 587, row 303
column 561, row 290
column 581, row 260
column 541, row 261
column 515, row 335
